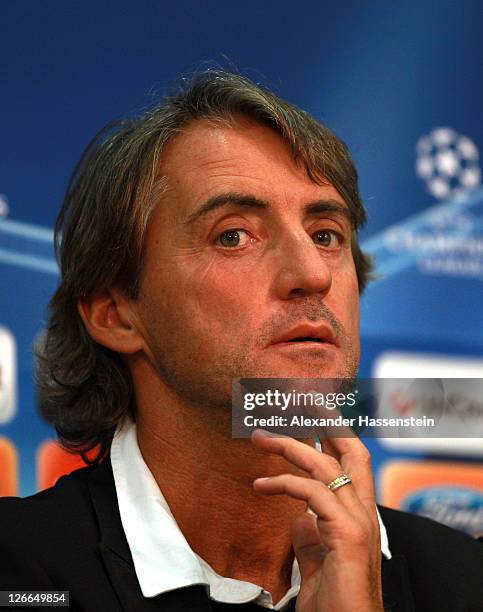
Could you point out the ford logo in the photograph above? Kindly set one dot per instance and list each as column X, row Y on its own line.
column 457, row 507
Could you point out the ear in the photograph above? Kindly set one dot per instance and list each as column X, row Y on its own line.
column 110, row 321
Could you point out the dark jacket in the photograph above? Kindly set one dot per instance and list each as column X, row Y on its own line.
column 70, row 538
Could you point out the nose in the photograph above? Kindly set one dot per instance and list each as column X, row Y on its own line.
column 302, row 269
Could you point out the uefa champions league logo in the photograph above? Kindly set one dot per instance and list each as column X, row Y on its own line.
column 446, row 239
column 448, row 163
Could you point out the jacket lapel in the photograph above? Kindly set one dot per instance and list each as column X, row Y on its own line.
column 115, row 553
column 395, row 585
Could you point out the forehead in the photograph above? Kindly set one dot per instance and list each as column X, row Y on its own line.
column 242, row 156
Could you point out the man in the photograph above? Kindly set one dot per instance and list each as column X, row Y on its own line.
column 215, row 237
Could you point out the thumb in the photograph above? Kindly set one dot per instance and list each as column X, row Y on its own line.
column 308, row 548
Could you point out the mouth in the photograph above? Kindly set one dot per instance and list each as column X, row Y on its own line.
column 306, row 335
column 306, row 339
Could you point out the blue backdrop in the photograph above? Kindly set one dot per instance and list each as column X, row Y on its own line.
column 401, row 83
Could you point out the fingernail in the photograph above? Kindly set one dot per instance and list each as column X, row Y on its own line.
column 264, row 432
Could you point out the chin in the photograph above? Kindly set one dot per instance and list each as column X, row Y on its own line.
column 308, row 371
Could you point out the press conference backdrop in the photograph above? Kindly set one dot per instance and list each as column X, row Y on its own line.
column 400, row 83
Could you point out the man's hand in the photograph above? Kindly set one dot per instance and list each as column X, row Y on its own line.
column 338, row 548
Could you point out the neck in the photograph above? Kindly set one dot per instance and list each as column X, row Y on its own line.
column 206, row 478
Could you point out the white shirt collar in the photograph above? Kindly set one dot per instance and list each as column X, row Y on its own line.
column 163, row 559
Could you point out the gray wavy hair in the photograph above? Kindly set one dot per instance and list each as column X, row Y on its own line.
column 85, row 389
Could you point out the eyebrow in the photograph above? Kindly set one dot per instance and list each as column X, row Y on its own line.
column 249, row 201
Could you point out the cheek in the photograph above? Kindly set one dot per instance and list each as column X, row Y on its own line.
column 354, row 316
column 217, row 294
column 346, row 300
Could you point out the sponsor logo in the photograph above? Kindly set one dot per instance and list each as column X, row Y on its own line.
column 450, row 493
column 454, row 506
column 446, row 389
column 8, row 376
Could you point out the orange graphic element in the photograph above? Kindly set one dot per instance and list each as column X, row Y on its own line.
column 53, row 462
column 8, row 468
column 402, row 478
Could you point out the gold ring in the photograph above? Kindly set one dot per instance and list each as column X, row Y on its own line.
column 339, row 482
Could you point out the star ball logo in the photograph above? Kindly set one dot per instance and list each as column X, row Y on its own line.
column 448, row 163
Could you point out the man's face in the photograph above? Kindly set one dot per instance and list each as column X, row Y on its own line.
column 248, row 267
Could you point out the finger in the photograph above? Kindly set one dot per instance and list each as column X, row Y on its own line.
column 330, row 415
column 341, row 443
column 355, row 460
column 319, row 498
column 307, row 545
column 337, row 527
column 320, row 466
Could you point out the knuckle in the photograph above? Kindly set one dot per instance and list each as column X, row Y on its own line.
column 364, row 456
column 312, row 499
column 289, row 446
column 333, row 464
column 287, row 481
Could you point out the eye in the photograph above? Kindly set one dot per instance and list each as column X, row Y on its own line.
column 233, row 238
column 327, row 238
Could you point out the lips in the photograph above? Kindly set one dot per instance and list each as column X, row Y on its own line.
column 306, row 333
